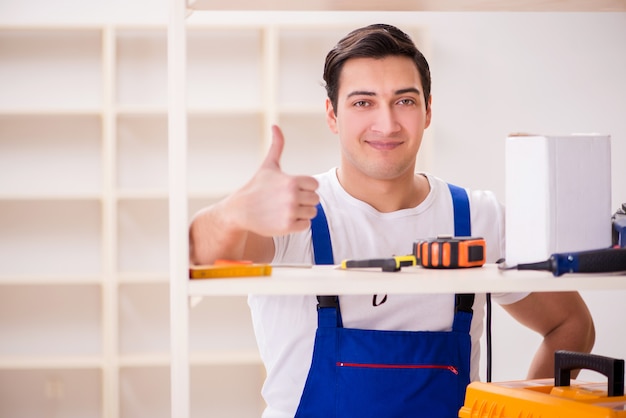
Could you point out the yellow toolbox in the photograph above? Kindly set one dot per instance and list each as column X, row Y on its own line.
column 553, row 398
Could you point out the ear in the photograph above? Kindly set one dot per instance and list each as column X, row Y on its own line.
column 429, row 112
column 331, row 118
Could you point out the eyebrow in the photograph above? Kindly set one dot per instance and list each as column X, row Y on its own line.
column 371, row 93
column 408, row 90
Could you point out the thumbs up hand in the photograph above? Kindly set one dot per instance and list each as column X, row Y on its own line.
column 273, row 202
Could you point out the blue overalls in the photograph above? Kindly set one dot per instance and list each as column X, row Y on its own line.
column 387, row 374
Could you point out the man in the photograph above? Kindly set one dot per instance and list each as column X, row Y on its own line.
column 376, row 205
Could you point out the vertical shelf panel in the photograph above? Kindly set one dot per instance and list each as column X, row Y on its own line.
column 197, row 203
column 142, row 236
column 143, row 319
column 142, row 153
column 224, row 152
column 67, row 323
column 222, row 324
column 232, row 391
column 301, row 96
column 224, row 68
column 309, row 135
column 50, row 155
column 141, row 67
column 56, row 69
column 50, row 238
column 302, row 53
column 50, row 393
column 145, row 392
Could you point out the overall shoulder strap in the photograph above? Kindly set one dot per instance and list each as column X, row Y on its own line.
column 460, row 203
column 320, row 235
column 329, row 314
column 322, row 246
column 323, row 249
column 462, row 228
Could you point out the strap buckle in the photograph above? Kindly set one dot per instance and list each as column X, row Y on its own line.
column 327, row 302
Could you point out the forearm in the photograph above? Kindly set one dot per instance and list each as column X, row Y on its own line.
column 214, row 235
column 562, row 319
column 573, row 335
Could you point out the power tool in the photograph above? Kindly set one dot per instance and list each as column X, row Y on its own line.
column 619, row 227
column 605, row 260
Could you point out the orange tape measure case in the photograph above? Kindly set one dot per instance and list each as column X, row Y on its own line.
column 450, row 252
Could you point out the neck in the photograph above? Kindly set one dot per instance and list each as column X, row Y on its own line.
column 386, row 195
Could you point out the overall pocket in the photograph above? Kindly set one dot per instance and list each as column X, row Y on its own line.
column 404, row 374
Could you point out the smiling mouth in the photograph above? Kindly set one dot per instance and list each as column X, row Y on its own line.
column 384, row 145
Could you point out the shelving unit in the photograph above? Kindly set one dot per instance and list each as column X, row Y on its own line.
column 327, row 280
column 84, row 206
column 49, row 297
column 291, row 114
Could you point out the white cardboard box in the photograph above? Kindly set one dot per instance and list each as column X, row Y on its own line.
column 558, row 195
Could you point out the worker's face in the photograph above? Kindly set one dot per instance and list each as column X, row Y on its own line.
column 381, row 116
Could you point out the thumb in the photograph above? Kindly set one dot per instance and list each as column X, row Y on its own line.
column 272, row 159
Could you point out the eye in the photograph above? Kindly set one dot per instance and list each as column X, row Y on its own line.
column 406, row 102
column 361, row 103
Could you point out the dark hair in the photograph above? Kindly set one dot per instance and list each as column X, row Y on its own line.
column 373, row 41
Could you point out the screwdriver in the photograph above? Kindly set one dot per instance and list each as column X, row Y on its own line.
column 619, row 227
column 593, row 261
column 387, row 264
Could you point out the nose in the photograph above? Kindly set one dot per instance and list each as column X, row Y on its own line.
column 385, row 121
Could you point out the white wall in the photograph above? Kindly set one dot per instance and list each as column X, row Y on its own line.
column 493, row 74
column 83, row 11
column 544, row 73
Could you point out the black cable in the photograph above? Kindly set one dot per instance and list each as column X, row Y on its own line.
column 488, row 335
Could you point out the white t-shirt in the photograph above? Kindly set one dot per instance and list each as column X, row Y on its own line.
column 285, row 325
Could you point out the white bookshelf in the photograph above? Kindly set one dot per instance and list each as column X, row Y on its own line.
column 84, row 202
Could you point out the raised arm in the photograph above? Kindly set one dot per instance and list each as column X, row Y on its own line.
column 242, row 225
column 564, row 321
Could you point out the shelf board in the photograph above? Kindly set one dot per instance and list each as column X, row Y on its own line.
column 142, row 194
column 142, row 278
column 45, row 26
column 49, row 111
column 144, row 360
column 204, row 358
column 49, row 362
column 192, row 110
column 212, row 111
column 143, row 111
column 41, row 196
column 162, row 194
column 302, row 110
column 221, row 357
column 206, row 195
column 414, row 5
column 329, row 280
column 51, row 279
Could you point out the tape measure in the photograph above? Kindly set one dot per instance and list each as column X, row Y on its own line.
column 450, row 252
